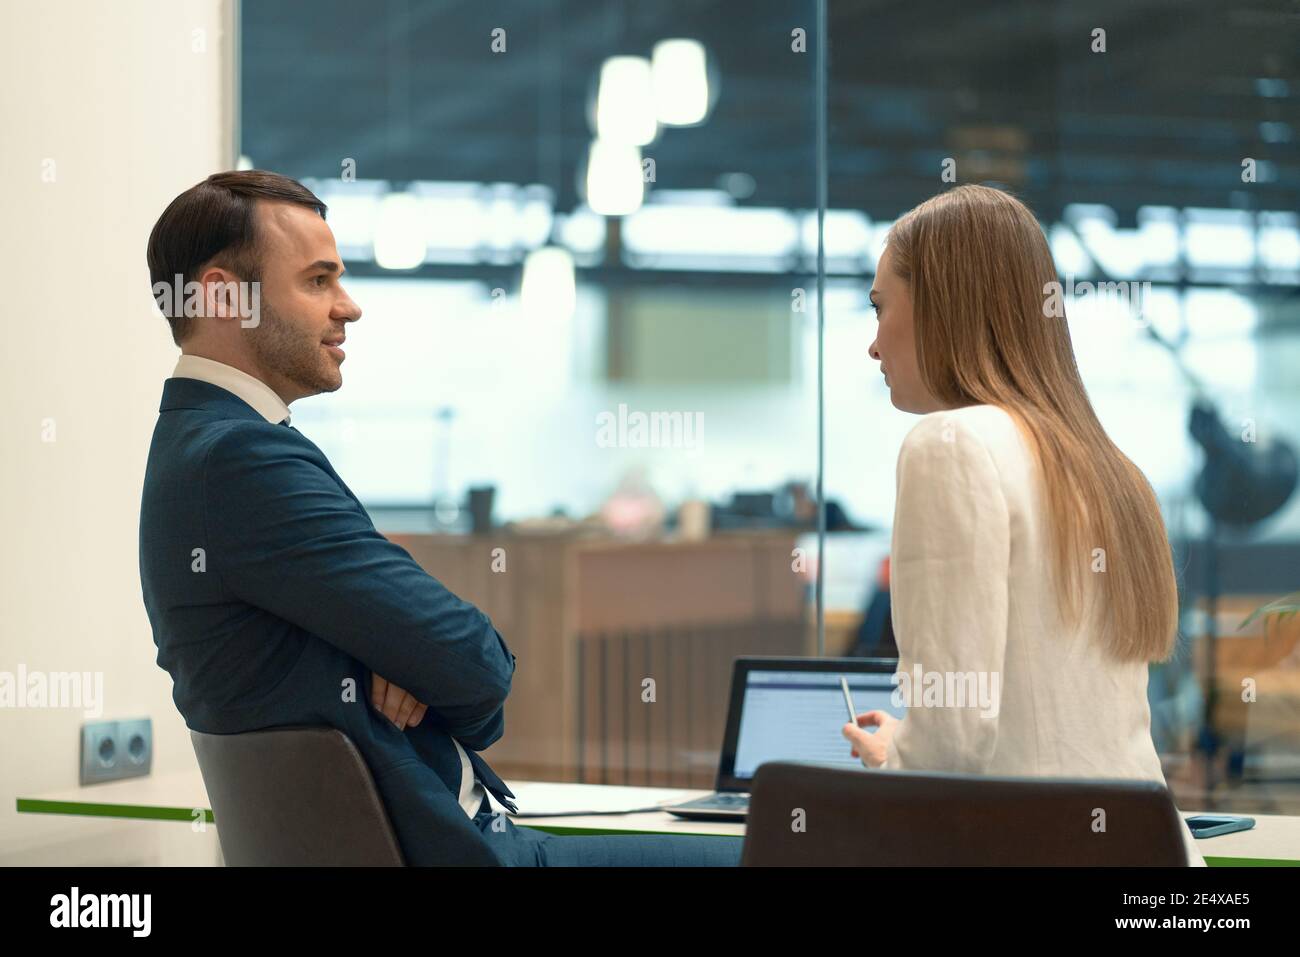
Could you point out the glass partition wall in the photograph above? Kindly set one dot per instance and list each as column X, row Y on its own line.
column 1157, row 145
column 613, row 328
column 583, row 389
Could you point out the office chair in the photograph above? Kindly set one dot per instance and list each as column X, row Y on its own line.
column 894, row 818
column 294, row 796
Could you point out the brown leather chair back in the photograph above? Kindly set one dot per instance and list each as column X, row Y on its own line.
column 294, row 797
column 894, row 818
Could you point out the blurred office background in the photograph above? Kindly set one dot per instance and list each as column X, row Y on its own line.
column 584, row 391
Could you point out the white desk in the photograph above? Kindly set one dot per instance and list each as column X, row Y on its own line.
column 1274, row 838
column 176, row 797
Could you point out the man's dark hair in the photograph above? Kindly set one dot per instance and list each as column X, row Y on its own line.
column 213, row 222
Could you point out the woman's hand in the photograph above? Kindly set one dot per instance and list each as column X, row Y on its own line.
column 871, row 746
column 396, row 704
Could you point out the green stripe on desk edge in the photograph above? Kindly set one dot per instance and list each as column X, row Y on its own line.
column 146, row 813
column 134, row 811
column 1248, row 862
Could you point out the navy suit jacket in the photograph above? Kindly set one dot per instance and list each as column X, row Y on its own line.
column 272, row 599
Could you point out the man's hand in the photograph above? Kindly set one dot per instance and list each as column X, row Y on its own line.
column 396, row 704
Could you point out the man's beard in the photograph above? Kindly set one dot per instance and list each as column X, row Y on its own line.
column 281, row 348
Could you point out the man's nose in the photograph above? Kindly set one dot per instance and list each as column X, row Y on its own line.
column 348, row 310
column 873, row 351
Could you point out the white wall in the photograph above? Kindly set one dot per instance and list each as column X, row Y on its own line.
column 132, row 103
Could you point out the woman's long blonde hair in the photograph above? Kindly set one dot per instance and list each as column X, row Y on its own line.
column 979, row 266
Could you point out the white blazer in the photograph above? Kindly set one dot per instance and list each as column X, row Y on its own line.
column 971, row 592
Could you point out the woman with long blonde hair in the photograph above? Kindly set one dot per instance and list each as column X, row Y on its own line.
column 1028, row 550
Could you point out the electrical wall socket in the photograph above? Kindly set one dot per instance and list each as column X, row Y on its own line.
column 116, row 749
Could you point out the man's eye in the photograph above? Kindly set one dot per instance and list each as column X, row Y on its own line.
column 321, row 279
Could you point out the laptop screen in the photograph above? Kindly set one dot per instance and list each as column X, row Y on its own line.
column 797, row 716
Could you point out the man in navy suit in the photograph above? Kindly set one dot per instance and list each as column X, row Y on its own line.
column 273, row 599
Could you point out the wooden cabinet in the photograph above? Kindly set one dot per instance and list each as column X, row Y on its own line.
column 623, row 649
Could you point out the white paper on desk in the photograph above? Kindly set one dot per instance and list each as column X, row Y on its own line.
column 539, row 799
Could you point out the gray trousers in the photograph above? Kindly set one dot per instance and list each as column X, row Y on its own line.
column 529, row 847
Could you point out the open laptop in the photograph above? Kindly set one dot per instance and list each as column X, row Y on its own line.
column 789, row 709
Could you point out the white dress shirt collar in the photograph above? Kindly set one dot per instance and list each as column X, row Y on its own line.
column 252, row 390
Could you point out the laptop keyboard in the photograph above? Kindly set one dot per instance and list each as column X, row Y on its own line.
column 721, row 800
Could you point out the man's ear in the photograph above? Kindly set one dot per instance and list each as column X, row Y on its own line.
column 220, row 293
